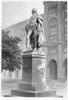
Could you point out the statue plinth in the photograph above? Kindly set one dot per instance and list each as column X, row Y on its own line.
column 34, row 70
column 33, row 76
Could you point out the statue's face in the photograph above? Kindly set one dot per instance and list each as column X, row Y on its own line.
column 34, row 13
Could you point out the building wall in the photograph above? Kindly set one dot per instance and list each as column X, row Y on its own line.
column 17, row 30
column 55, row 19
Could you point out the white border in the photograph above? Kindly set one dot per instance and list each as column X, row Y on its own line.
column 21, row 98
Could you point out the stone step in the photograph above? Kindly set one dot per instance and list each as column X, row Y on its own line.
column 26, row 86
column 22, row 93
column 9, row 96
column 58, row 96
column 50, row 93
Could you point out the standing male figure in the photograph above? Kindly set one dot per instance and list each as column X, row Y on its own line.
column 36, row 27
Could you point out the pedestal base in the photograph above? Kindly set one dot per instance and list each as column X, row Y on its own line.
column 48, row 93
column 33, row 77
column 27, row 90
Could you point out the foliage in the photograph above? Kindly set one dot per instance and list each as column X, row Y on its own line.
column 11, row 53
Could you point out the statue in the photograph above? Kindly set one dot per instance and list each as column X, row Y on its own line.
column 27, row 34
column 34, row 31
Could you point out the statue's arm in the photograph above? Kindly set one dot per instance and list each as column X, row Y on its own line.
column 40, row 20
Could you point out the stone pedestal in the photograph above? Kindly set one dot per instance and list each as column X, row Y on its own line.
column 33, row 77
column 34, row 70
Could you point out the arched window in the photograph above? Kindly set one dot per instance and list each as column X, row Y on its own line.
column 53, row 69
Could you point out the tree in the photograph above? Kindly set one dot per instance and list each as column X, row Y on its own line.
column 11, row 53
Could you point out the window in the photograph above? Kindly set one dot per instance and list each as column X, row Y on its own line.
column 65, row 20
column 53, row 23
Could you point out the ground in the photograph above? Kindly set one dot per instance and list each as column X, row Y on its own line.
column 9, row 84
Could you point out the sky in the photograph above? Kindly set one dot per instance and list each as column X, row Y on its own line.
column 17, row 11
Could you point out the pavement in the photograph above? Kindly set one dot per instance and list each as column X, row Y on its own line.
column 9, row 84
column 59, row 85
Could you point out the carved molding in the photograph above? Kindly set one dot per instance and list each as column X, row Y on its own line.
column 65, row 20
column 52, row 50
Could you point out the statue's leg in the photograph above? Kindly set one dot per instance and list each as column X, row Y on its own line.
column 27, row 43
column 33, row 42
column 37, row 42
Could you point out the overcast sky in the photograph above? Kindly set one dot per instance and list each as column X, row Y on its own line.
column 17, row 11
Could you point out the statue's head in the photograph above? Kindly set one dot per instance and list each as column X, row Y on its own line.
column 34, row 11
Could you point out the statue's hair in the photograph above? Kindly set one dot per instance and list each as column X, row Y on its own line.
column 34, row 10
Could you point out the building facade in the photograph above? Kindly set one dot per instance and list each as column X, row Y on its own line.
column 55, row 31
column 55, row 25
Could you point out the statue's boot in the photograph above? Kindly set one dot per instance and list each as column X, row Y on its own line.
column 35, row 50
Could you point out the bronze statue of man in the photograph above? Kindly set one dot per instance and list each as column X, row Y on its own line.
column 36, row 27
